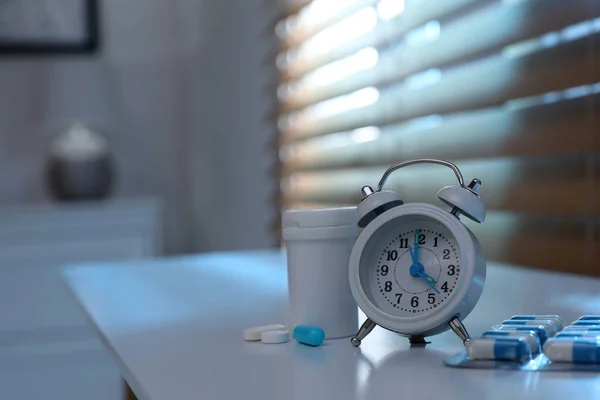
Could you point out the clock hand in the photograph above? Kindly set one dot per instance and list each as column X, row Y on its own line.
column 416, row 246
column 418, row 271
column 412, row 255
column 424, row 275
column 429, row 280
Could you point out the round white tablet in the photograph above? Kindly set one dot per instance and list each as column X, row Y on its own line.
column 278, row 336
column 253, row 334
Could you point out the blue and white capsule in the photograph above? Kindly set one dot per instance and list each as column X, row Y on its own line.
column 500, row 348
column 589, row 317
column 573, row 350
column 578, row 334
column 554, row 318
column 539, row 330
column 590, row 329
column 586, row 322
column 548, row 325
column 530, row 337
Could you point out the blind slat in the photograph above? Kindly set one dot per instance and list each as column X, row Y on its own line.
column 479, row 33
column 552, row 129
column 487, row 82
column 303, row 31
column 535, row 241
column 291, row 7
column 548, row 185
column 416, row 13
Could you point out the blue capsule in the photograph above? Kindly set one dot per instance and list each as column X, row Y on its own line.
column 309, row 335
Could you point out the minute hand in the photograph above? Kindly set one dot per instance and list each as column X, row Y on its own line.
column 412, row 255
column 416, row 246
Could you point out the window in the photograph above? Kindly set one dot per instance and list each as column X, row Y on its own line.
column 508, row 90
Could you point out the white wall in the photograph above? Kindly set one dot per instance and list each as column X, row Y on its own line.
column 234, row 150
column 179, row 87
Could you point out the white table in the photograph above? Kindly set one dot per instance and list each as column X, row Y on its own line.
column 174, row 327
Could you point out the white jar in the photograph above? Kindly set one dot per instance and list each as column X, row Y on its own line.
column 318, row 247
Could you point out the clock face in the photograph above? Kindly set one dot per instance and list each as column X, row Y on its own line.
column 411, row 266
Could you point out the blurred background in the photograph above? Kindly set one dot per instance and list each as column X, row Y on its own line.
column 135, row 129
column 128, row 129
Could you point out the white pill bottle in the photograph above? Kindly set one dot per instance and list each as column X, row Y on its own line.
column 318, row 246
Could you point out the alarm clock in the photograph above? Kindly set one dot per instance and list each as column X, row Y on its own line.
column 416, row 269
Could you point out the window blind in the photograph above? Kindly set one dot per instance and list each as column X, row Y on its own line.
column 508, row 90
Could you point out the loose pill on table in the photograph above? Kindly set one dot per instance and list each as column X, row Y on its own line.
column 503, row 349
column 573, row 350
column 253, row 334
column 588, row 317
column 550, row 326
column 310, row 335
column 540, row 331
column 530, row 337
column 554, row 318
column 278, row 336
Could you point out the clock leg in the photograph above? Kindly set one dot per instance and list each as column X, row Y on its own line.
column 362, row 333
column 460, row 330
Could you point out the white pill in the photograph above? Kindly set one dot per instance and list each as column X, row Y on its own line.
column 278, row 336
column 253, row 334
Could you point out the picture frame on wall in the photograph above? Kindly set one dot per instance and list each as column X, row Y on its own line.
column 48, row 26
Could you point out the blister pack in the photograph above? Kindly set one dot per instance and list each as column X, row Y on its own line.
column 535, row 343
